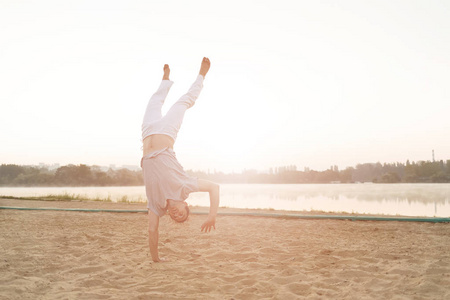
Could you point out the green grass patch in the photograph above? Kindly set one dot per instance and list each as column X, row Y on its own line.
column 64, row 197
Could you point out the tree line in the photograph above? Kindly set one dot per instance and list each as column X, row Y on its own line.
column 83, row 175
column 70, row 175
column 409, row 172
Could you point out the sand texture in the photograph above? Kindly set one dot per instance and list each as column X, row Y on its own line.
column 86, row 255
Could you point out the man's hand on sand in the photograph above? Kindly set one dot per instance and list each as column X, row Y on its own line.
column 161, row 259
column 209, row 224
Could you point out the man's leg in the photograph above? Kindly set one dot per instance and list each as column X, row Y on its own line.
column 153, row 111
column 175, row 115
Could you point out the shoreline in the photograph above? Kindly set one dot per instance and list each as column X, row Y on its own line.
column 417, row 200
column 23, row 203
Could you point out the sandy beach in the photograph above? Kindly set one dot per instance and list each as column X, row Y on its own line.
column 99, row 255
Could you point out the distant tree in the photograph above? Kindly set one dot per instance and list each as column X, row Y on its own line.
column 365, row 172
column 9, row 172
column 72, row 175
column 101, row 178
column 390, row 177
column 440, row 177
column 345, row 176
column 410, row 173
column 447, row 167
column 127, row 177
column 327, row 176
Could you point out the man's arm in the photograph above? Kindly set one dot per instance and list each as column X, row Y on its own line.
column 153, row 235
column 214, row 190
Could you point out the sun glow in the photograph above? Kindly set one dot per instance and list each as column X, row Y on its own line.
column 306, row 83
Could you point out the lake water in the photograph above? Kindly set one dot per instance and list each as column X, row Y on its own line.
column 431, row 200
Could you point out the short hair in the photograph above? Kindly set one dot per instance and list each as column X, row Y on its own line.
column 187, row 215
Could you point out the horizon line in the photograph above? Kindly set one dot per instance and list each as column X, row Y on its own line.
column 268, row 170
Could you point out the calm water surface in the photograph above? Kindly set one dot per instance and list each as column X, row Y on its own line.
column 432, row 200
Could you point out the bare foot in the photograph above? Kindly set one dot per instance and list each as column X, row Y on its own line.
column 204, row 68
column 166, row 72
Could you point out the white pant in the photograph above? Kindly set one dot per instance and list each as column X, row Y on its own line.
column 155, row 123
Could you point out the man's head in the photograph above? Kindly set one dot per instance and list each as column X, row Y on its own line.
column 178, row 210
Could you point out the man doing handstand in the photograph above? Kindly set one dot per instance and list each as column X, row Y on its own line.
column 167, row 185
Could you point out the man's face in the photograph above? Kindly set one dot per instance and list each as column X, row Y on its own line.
column 177, row 210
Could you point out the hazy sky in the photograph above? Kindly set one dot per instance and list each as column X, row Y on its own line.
column 310, row 83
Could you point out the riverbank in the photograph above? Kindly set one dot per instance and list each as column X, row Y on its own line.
column 415, row 200
column 66, row 254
